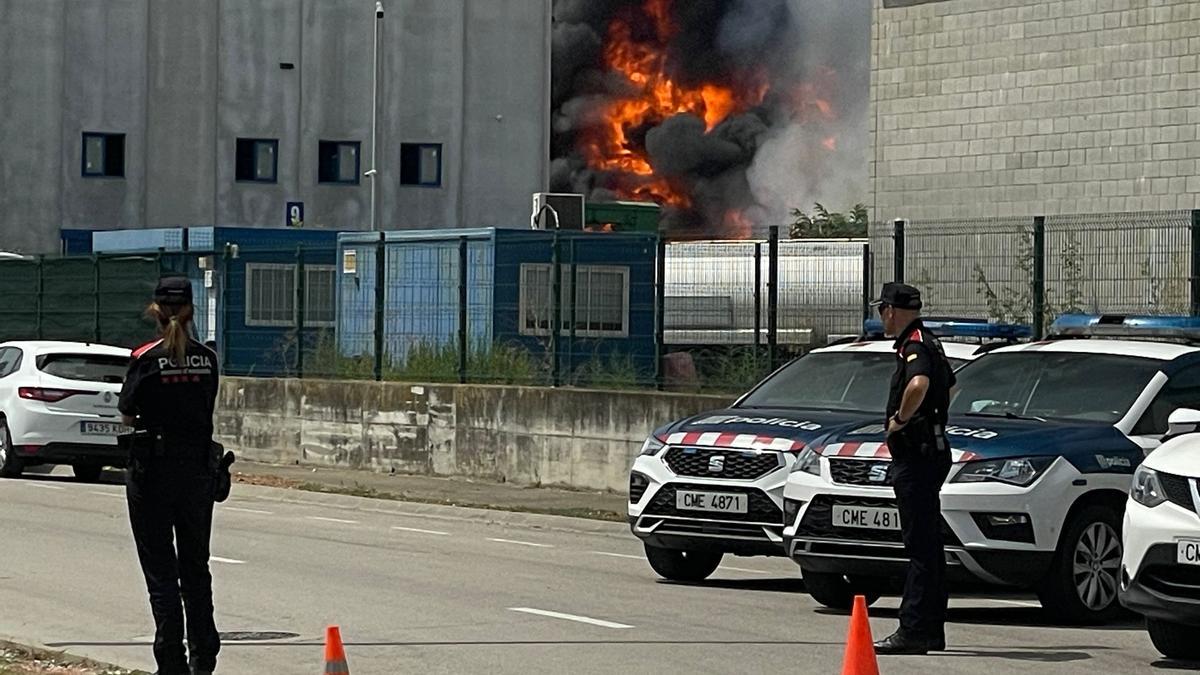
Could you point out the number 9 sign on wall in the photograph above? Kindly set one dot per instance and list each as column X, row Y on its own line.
column 294, row 216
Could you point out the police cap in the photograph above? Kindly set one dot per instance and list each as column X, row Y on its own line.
column 898, row 295
column 173, row 290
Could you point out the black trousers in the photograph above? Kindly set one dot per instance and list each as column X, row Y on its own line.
column 171, row 511
column 918, row 482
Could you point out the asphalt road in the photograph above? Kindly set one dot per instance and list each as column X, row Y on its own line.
column 434, row 589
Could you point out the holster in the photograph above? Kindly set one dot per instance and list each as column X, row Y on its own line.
column 219, row 462
column 921, row 438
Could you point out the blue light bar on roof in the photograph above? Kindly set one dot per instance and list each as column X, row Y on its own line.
column 1120, row 325
column 973, row 328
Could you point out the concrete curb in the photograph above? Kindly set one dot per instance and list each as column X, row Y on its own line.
column 533, row 521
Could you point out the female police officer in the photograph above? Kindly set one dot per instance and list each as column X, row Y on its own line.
column 168, row 397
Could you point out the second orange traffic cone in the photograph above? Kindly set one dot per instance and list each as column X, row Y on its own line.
column 335, row 654
column 860, row 647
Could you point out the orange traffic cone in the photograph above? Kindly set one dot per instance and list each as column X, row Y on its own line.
column 860, row 647
column 335, row 654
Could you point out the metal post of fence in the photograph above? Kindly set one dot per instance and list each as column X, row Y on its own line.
column 554, row 322
column 757, row 297
column 660, row 309
column 571, row 298
column 41, row 290
column 463, row 272
column 226, row 264
column 1039, row 277
column 300, row 308
column 1195, row 262
column 772, row 295
column 898, row 247
column 95, row 298
column 867, row 290
column 380, row 281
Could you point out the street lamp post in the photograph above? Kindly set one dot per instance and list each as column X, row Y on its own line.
column 373, row 173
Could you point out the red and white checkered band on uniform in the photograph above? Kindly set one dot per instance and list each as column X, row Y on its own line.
column 881, row 451
column 714, row 439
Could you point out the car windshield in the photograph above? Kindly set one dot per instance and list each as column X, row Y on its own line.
column 829, row 381
column 85, row 367
column 1052, row 385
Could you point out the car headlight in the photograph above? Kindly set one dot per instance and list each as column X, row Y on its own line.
column 808, row 461
column 1016, row 471
column 1147, row 490
column 652, row 446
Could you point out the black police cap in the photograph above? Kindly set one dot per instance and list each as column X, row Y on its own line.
column 900, row 296
column 174, row 290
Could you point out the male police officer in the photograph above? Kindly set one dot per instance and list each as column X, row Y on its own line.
column 916, row 436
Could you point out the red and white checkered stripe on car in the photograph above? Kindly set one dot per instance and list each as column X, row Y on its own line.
column 713, row 439
column 881, row 451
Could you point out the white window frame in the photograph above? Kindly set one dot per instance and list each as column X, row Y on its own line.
column 525, row 303
column 331, row 270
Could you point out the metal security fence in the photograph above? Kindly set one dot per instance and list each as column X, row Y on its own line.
column 1032, row 270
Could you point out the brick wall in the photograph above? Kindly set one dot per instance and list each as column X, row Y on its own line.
column 986, row 108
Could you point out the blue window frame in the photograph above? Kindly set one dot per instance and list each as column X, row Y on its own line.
column 257, row 160
column 338, row 162
column 421, row 164
column 103, row 155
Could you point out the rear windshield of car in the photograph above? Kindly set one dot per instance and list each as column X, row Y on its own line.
column 829, row 381
column 1053, row 385
column 85, row 367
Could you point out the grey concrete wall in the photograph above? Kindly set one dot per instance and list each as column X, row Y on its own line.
column 1024, row 107
column 524, row 435
column 183, row 80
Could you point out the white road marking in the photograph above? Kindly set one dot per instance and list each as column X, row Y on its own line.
column 419, row 530
column 520, row 543
column 619, row 555
column 118, row 495
column 334, row 520
column 742, row 569
column 45, row 486
column 230, row 561
column 570, row 617
column 241, row 510
column 1017, row 603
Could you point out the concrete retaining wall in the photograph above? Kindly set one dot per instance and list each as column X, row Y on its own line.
column 579, row 438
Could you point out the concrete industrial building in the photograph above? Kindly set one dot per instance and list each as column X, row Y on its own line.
column 1034, row 107
column 154, row 113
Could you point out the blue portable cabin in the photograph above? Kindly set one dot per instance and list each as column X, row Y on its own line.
column 509, row 295
column 244, row 284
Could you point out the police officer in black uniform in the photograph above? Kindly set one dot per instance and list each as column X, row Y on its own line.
column 168, row 397
column 916, row 436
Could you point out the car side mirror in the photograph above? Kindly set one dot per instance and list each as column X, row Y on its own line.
column 1183, row 421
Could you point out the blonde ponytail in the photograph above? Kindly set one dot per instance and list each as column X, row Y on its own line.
column 173, row 321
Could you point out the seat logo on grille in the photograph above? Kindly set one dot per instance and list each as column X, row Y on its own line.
column 716, row 463
column 878, row 473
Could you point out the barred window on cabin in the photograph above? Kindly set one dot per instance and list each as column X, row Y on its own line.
column 270, row 295
column 320, row 307
column 601, row 301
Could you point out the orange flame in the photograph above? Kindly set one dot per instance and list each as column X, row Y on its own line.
column 655, row 97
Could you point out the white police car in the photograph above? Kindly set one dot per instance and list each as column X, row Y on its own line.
column 1045, row 438
column 713, row 483
column 1160, row 570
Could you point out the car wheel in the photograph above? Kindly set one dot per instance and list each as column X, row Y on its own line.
column 1082, row 584
column 679, row 565
column 1175, row 640
column 835, row 591
column 88, row 473
column 10, row 465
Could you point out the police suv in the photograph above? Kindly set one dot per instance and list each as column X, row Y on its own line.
column 713, row 483
column 1045, row 438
